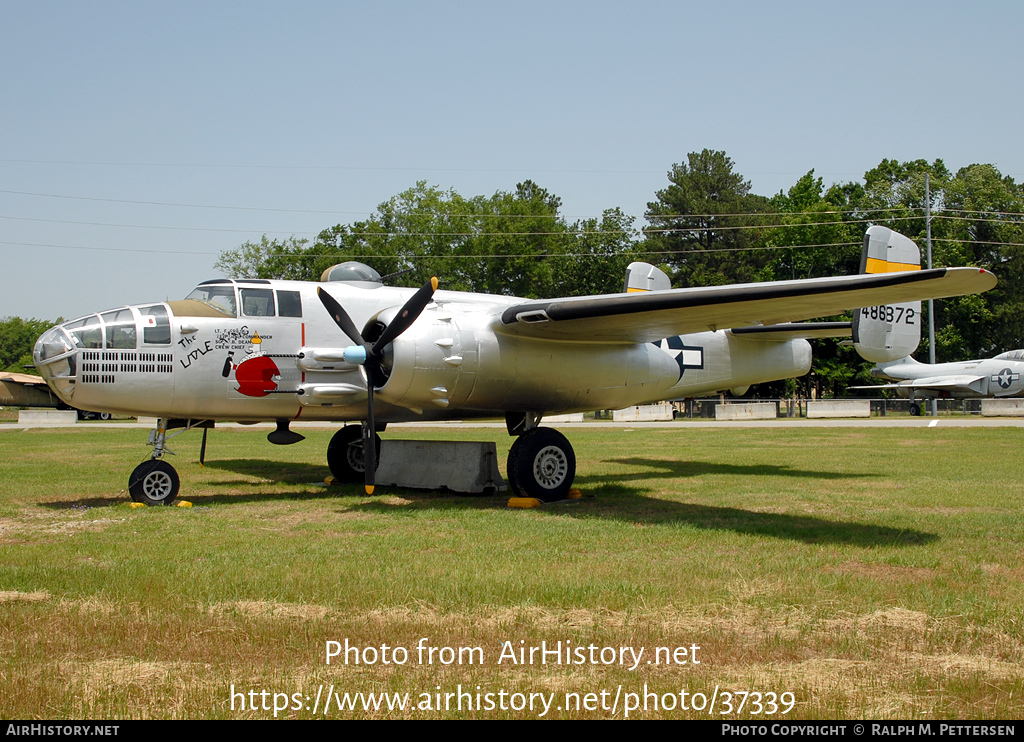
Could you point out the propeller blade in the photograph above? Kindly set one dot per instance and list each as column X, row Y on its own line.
column 202, row 449
column 412, row 309
column 340, row 316
column 369, row 443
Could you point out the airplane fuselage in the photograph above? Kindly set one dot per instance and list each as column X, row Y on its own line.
column 992, row 377
column 265, row 350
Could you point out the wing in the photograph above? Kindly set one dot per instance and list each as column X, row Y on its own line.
column 962, row 383
column 653, row 315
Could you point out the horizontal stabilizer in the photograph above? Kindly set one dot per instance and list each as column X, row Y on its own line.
column 795, row 330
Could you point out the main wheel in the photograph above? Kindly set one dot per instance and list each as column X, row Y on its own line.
column 345, row 454
column 154, row 482
column 541, row 464
column 915, row 409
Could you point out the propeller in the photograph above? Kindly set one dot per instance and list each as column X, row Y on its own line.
column 371, row 356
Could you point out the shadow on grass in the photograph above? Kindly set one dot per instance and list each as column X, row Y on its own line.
column 614, row 500
column 664, row 468
column 618, row 502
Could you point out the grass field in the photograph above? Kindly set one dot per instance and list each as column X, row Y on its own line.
column 867, row 572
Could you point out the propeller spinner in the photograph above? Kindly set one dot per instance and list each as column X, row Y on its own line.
column 371, row 356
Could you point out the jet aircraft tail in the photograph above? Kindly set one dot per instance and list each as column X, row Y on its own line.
column 893, row 331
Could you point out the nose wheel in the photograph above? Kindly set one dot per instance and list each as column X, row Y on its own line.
column 154, row 482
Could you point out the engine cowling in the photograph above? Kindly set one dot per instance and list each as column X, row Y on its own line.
column 432, row 365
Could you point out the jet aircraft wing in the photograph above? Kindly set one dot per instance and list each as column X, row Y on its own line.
column 963, row 382
column 653, row 315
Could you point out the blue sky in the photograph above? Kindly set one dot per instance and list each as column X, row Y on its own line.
column 286, row 118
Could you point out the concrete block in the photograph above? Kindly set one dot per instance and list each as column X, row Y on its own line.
column 47, row 417
column 459, row 466
column 1002, row 407
column 839, row 408
column 643, row 413
column 149, row 421
column 572, row 417
column 746, row 411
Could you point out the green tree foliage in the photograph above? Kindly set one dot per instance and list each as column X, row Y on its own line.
column 266, row 259
column 514, row 243
column 17, row 337
column 982, row 223
column 818, row 232
column 701, row 224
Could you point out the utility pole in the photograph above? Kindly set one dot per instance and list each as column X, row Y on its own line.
column 931, row 303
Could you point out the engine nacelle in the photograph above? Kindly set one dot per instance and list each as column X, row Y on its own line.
column 433, row 364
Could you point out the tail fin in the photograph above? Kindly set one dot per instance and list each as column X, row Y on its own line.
column 645, row 277
column 887, row 333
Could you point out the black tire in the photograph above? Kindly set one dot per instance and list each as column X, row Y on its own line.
column 345, row 454
column 915, row 410
column 541, row 464
column 103, row 415
column 154, row 482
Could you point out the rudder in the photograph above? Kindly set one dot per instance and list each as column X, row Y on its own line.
column 892, row 331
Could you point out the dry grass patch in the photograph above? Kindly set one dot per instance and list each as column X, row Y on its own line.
column 12, row 596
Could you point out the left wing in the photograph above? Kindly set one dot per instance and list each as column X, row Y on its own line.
column 653, row 315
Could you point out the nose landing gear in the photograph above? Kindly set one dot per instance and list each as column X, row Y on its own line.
column 154, row 481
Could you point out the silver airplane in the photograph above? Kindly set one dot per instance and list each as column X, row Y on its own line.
column 353, row 350
column 888, row 335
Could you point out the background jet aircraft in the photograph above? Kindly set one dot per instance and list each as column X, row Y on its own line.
column 888, row 335
column 350, row 349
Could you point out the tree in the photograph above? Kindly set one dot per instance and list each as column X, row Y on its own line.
column 17, row 338
column 982, row 224
column 513, row 243
column 266, row 259
column 701, row 225
column 818, row 233
column 600, row 252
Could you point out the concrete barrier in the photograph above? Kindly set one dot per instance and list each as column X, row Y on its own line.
column 47, row 417
column 839, row 408
column 460, row 466
column 1002, row 407
column 572, row 417
column 643, row 413
column 746, row 411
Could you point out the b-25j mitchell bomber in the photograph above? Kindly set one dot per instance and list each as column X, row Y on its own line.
column 350, row 349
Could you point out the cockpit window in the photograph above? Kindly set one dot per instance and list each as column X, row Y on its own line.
column 86, row 332
column 220, row 297
column 289, row 303
column 257, row 302
column 157, row 327
column 120, row 329
column 54, row 342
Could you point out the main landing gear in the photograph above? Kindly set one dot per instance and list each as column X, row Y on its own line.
column 541, row 464
column 345, row 454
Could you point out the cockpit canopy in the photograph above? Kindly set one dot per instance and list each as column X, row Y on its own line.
column 351, row 272
column 1011, row 355
column 227, row 298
